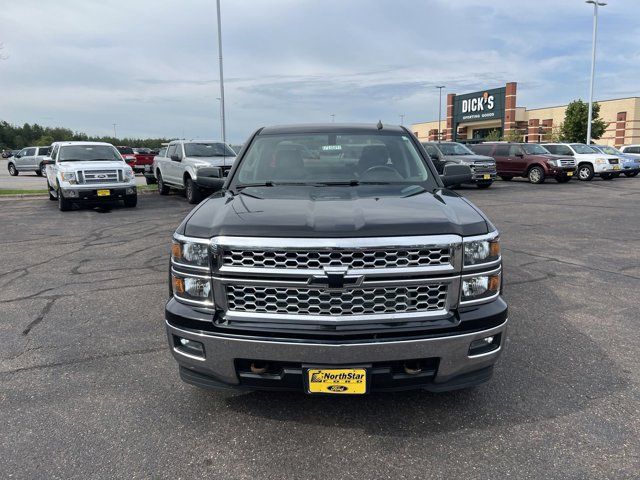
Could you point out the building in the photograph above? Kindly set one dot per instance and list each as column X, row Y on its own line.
column 473, row 116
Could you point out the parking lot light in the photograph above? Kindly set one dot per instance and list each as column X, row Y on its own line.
column 596, row 4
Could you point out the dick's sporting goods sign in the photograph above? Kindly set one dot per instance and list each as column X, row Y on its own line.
column 478, row 106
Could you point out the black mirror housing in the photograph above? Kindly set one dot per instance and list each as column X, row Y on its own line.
column 210, row 178
column 175, row 158
column 455, row 174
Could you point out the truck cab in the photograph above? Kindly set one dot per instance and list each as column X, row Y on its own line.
column 178, row 168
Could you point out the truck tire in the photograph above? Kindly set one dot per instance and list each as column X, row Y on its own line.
column 607, row 176
column 43, row 170
column 506, row 178
column 484, row 184
column 631, row 174
column 12, row 170
column 192, row 192
column 585, row 172
column 64, row 205
column 162, row 188
column 130, row 201
column 536, row 175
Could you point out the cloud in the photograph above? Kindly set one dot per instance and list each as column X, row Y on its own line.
column 151, row 66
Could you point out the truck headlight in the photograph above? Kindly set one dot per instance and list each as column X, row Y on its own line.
column 485, row 249
column 553, row 163
column 601, row 161
column 191, row 288
column 129, row 175
column 476, row 288
column 191, row 253
column 69, row 177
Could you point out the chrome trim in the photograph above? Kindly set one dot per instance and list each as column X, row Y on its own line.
column 209, row 303
column 487, row 236
column 432, row 269
column 194, row 267
column 486, row 354
column 332, row 320
column 181, row 238
column 194, row 357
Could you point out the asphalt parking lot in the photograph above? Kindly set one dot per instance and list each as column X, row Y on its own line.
column 88, row 387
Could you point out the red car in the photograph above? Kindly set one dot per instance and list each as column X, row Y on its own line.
column 128, row 155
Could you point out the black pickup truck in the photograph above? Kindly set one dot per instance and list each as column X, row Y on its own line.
column 333, row 260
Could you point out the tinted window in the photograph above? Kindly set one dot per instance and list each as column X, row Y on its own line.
column 481, row 149
column 534, row 149
column 333, row 157
column 581, row 148
column 515, row 150
column 431, row 150
column 29, row 152
column 172, row 150
column 451, row 148
column 502, row 150
column 84, row 153
column 125, row 150
column 44, row 150
column 207, row 149
column 632, row 150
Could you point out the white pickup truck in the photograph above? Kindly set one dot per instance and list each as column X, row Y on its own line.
column 179, row 166
column 88, row 172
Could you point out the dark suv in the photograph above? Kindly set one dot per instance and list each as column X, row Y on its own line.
column 483, row 169
column 528, row 160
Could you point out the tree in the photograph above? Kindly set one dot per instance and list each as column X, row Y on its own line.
column 492, row 136
column 574, row 128
column 513, row 135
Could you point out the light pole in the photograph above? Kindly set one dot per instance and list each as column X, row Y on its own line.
column 401, row 119
column 596, row 4
column 224, row 128
column 115, row 134
column 439, row 87
column 333, row 117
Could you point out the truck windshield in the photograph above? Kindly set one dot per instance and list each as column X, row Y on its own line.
column 334, row 159
column 534, row 149
column 88, row 153
column 125, row 150
column 450, row 148
column 581, row 148
column 207, row 150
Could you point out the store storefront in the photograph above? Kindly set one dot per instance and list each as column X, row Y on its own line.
column 471, row 117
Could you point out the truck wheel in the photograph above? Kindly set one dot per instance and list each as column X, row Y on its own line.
column 43, row 170
column 192, row 192
column 631, row 174
column 162, row 188
column 607, row 176
column 64, row 205
column 130, row 201
column 585, row 172
column 12, row 170
column 506, row 178
column 483, row 184
column 563, row 178
column 536, row 175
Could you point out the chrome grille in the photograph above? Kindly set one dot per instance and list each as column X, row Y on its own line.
column 317, row 259
column 100, row 176
column 484, row 167
column 567, row 162
column 359, row 301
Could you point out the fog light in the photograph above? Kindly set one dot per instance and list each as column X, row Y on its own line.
column 71, row 193
column 131, row 190
column 484, row 345
column 188, row 347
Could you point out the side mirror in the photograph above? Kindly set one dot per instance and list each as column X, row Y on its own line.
column 455, row 174
column 48, row 161
column 18, row 155
column 175, row 158
column 210, row 178
column 433, row 156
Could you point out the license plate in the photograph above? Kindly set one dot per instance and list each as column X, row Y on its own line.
column 486, row 176
column 104, row 193
column 345, row 381
column 616, row 167
column 569, row 174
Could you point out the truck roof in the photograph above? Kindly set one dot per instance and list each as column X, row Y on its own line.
column 332, row 127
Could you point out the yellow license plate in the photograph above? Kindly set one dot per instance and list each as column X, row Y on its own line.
column 345, row 381
column 616, row 167
column 569, row 174
column 104, row 193
column 487, row 176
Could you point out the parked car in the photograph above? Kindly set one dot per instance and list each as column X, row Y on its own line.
column 483, row 168
column 633, row 150
column 144, row 159
column 629, row 164
column 148, row 169
column 336, row 275
column 128, row 155
column 178, row 168
column 528, row 160
column 590, row 162
column 29, row 159
column 9, row 153
column 89, row 172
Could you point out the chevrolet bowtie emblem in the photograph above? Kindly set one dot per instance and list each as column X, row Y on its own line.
column 335, row 278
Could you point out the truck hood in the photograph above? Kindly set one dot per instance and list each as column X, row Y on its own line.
column 212, row 161
column 469, row 158
column 362, row 211
column 91, row 165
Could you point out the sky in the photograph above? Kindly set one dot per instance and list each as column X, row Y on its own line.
column 151, row 67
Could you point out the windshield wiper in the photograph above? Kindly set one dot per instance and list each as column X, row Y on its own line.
column 268, row 183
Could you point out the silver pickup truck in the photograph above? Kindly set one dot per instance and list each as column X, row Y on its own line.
column 29, row 159
column 179, row 166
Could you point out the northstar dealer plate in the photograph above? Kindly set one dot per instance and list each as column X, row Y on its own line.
column 104, row 193
column 350, row 381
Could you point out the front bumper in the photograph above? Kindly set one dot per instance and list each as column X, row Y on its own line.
column 482, row 176
column 91, row 194
column 447, row 353
column 607, row 168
